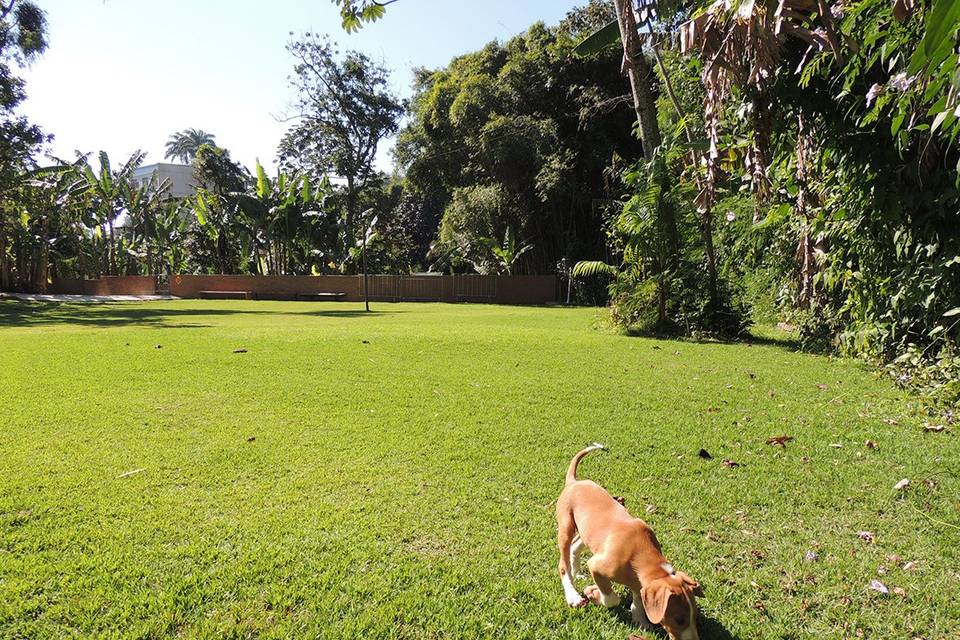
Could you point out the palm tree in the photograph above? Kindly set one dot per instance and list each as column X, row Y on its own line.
column 183, row 145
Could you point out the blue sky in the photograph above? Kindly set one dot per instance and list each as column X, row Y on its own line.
column 122, row 75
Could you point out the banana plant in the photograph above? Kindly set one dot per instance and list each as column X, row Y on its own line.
column 507, row 253
column 285, row 220
column 49, row 198
column 143, row 205
column 108, row 189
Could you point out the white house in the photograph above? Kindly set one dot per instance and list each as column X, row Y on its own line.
column 180, row 177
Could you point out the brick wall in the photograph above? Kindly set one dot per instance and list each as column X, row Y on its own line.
column 495, row 289
column 106, row 286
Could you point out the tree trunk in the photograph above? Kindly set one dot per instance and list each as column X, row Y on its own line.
column 43, row 261
column 706, row 216
column 640, row 73
column 112, row 252
column 805, row 257
column 4, row 262
column 351, row 213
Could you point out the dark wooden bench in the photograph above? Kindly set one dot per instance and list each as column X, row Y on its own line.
column 275, row 295
column 224, row 295
column 319, row 297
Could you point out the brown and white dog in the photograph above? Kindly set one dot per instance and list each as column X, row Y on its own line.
column 625, row 551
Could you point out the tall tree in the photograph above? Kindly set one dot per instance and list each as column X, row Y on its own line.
column 184, row 145
column 23, row 37
column 518, row 135
column 216, row 210
column 344, row 108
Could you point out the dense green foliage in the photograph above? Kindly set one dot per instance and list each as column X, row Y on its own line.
column 812, row 168
column 517, row 136
column 87, row 219
column 410, row 493
column 855, row 221
column 23, row 37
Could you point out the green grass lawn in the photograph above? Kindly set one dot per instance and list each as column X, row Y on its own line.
column 393, row 475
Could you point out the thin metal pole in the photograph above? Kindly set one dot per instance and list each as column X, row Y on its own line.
column 366, row 296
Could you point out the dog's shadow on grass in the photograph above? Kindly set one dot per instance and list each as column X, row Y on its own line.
column 710, row 628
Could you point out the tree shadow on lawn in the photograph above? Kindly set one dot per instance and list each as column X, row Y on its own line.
column 710, row 628
column 26, row 314
column 786, row 341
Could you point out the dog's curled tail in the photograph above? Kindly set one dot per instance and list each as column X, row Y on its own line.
column 572, row 469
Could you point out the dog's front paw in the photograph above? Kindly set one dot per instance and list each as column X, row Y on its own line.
column 577, row 601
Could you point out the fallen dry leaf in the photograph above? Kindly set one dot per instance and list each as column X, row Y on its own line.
column 876, row 585
column 780, row 441
column 836, row 445
column 890, row 421
column 900, row 591
column 870, row 444
column 251, row 438
column 903, row 484
column 865, row 535
column 822, row 386
column 910, row 566
column 933, row 428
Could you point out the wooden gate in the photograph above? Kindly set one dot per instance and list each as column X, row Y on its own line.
column 475, row 288
column 421, row 288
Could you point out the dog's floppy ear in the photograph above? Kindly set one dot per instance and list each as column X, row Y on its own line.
column 695, row 587
column 655, row 600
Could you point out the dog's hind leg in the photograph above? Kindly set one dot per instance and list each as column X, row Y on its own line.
column 566, row 532
column 601, row 592
column 576, row 551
